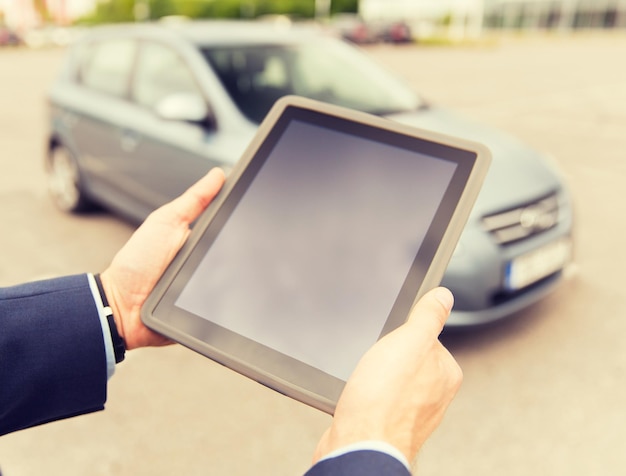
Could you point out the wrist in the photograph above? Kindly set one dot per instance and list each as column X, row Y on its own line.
column 109, row 295
column 113, row 319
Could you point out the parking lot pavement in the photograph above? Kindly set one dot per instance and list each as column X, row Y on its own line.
column 543, row 392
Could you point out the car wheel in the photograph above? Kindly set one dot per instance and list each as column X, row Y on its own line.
column 64, row 182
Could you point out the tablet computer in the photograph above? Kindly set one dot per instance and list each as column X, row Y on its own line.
column 329, row 228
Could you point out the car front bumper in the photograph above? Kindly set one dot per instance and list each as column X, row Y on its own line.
column 491, row 281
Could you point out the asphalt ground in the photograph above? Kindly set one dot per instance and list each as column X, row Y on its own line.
column 544, row 390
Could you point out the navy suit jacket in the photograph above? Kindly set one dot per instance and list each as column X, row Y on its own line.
column 362, row 463
column 52, row 356
column 53, row 365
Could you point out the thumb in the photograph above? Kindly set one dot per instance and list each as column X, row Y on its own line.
column 432, row 310
column 188, row 206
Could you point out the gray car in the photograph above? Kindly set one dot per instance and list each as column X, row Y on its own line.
column 139, row 112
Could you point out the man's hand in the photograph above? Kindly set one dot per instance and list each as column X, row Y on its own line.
column 401, row 387
column 138, row 266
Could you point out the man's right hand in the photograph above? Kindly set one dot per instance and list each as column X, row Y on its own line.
column 402, row 386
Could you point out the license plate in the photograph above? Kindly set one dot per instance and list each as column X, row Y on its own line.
column 537, row 264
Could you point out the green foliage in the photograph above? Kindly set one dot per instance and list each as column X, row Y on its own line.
column 162, row 8
column 347, row 6
column 298, row 8
column 113, row 11
column 210, row 8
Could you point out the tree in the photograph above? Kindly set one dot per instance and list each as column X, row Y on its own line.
column 124, row 10
column 341, row 6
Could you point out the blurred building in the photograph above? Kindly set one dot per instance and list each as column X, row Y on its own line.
column 556, row 14
column 469, row 18
column 24, row 15
column 457, row 18
column 43, row 23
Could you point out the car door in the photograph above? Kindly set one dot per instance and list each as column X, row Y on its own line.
column 163, row 156
column 100, row 108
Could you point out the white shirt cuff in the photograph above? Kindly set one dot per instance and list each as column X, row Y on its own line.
column 106, row 332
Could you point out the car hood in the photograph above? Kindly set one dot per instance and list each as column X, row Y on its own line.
column 518, row 174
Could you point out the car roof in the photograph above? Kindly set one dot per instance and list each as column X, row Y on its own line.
column 215, row 32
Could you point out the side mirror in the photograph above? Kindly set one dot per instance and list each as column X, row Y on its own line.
column 187, row 107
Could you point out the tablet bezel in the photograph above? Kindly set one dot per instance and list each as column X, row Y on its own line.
column 267, row 366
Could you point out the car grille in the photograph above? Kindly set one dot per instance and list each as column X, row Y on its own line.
column 522, row 222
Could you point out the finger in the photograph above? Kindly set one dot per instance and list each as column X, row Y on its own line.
column 432, row 310
column 192, row 203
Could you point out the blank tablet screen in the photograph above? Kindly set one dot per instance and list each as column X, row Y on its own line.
column 320, row 243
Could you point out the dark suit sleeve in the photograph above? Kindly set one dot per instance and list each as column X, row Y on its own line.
column 364, row 462
column 52, row 356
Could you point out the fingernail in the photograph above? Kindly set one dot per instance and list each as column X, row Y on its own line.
column 445, row 297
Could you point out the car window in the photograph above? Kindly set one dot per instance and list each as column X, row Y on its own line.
column 274, row 74
column 256, row 76
column 107, row 66
column 160, row 72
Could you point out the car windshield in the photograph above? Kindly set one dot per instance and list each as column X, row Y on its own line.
column 330, row 71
